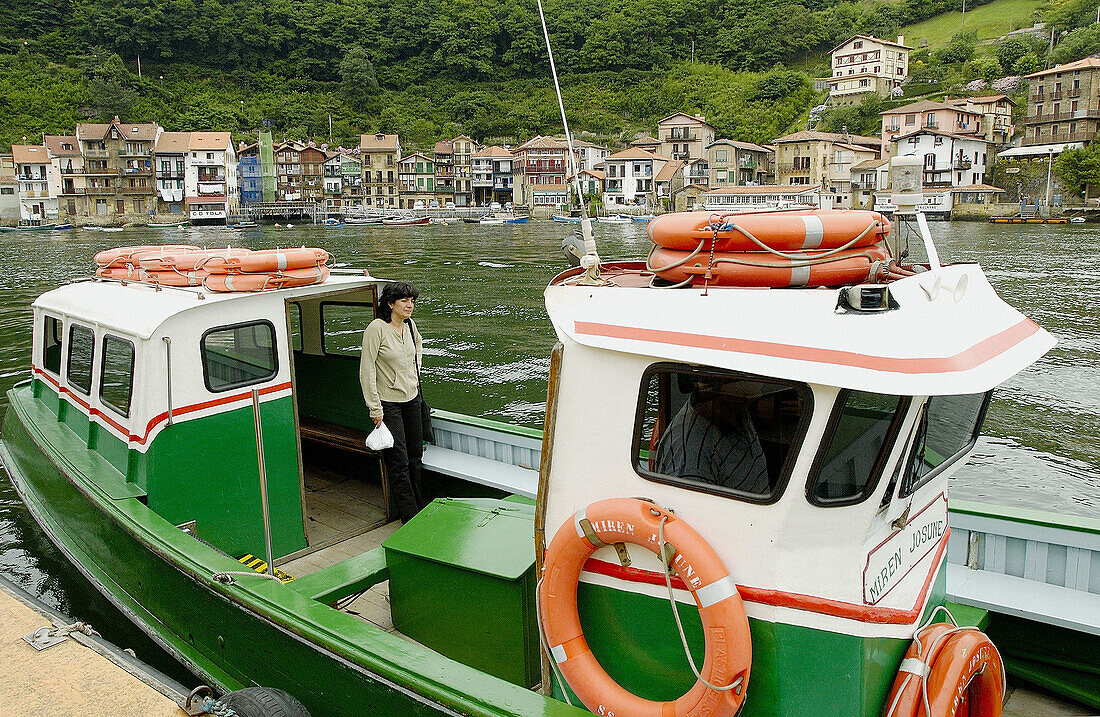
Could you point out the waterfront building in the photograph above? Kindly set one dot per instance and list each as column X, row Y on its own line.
column 592, row 182
column 250, row 173
column 380, row 154
column 822, row 159
column 1063, row 104
column 864, row 64
column 68, row 183
column 949, row 160
column 351, row 182
column 591, row 155
column 34, row 174
column 491, row 175
column 670, row 178
column 943, row 116
column 684, row 136
column 869, row 178
column 118, row 170
column 417, row 176
column 9, row 191
column 541, row 165
column 333, row 181
column 288, row 171
column 463, row 149
column 211, row 187
column 443, row 159
column 734, row 163
column 630, row 177
column 170, row 167
column 767, row 197
column 996, row 111
column 313, row 173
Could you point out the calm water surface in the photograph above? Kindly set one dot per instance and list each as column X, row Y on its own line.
column 487, row 342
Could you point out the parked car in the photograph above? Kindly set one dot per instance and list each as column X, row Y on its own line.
column 494, row 207
column 449, row 205
column 433, row 204
column 419, row 206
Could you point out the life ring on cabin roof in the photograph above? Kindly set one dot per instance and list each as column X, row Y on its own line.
column 124, row 255
column 182, row 260
column 960, row 668
column 780, row 230
column 629, row 520
column 762, row 269
column 266, row 280
column 267, row 260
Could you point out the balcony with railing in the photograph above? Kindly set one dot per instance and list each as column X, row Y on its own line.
column 962, row 163
column 34, row 194
column 747, row 162
column 181, row 174
column 136, row 189
column 682, row 135
column 1031, row 141
column 97, row 153
column 544, row 167
column 72, row 170
column 1074, row 92
column 1056, row 95
column 863, row 186
column 211, row 188
column 135, row 152
column 101, row 190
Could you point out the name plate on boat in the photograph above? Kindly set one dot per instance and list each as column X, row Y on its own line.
column 891, row 560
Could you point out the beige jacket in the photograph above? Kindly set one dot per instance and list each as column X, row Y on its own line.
column 389, row 363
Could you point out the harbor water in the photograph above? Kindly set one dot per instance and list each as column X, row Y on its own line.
column 487, row 344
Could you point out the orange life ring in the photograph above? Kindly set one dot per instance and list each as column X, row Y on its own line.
column 173, row 259
column 121, row 272
column 762, row 269
column 961, row 668
column 629, row 520
column 130, row 254
column 268, row 260
column 266, row 280
column 781, row 230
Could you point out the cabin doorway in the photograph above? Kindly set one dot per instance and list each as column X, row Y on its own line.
column 344, row 488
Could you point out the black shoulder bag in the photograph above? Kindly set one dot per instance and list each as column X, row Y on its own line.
column 425, row 409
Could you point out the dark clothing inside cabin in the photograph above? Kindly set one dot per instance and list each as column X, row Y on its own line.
column 404, row 460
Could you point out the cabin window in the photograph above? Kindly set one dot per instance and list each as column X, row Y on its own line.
column 81, row 348
column 855, row 447
column 116, row 378
column 948, row 428
column 239, row 355
column 51, row 345
column 720, row 432
column 343, row 326
column 294, row 316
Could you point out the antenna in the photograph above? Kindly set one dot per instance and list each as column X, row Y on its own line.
column 591, row 259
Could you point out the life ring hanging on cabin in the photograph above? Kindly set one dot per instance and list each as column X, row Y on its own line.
column 798, row 230
column 629, row 520
column 960, row 668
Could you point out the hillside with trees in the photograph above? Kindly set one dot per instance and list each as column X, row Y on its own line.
column 429, row 70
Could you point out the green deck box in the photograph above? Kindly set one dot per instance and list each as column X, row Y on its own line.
column 462, row 582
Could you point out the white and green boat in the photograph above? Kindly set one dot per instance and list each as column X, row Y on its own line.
column 135, row 443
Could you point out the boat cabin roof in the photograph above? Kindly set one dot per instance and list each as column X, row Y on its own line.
column 140, row 309
column 945, row 337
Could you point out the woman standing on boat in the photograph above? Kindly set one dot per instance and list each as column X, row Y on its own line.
column 389, row 373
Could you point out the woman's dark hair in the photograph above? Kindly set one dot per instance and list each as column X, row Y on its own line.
column 393, row 292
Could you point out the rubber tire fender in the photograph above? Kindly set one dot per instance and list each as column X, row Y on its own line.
column 264, row 702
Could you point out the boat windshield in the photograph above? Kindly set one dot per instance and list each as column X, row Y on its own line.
column 720, row 432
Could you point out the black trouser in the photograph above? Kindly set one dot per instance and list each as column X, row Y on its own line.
column 403, row 461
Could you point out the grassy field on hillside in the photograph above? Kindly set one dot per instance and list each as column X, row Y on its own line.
column 988, row 21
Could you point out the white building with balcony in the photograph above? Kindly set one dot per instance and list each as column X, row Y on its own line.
column 949, row 160
column 170, row 171
column 590, row 154
column 491, row 175
column 864, row 64
column 34, row 175
column 630, row 177
column 211, row 187
column 334, row 181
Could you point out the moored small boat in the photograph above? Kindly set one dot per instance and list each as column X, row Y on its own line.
column 515, row 220
column 36, row 228
column 566, row 219
column 614, row 219
column 492, row 219
column 364, row 220
column 405, row 221
column 168, row 225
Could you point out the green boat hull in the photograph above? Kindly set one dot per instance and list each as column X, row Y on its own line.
column 251, row 633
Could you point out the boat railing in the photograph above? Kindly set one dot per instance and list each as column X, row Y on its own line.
column 491, row 453
column 1026, row 563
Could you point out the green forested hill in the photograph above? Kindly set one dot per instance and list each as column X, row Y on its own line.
column 424, row 69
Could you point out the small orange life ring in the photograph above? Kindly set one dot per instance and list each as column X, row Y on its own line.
column 268, row 260
column 266, row 280
column 629, row 520
column 961, row 667
column 779, row 230
column 763, row 269
column 130, row 254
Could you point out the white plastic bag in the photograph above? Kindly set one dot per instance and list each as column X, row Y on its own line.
column 380, row 438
